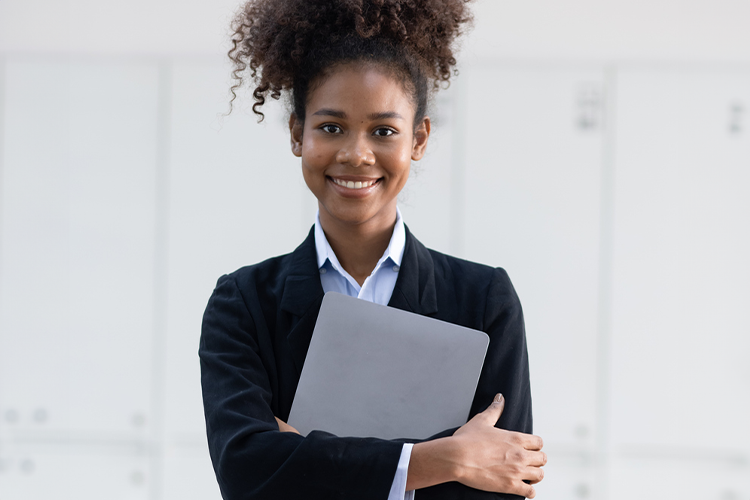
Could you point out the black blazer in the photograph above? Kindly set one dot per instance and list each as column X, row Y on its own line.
column 256, row 331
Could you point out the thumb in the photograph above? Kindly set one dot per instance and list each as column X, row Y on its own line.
column 494, row 411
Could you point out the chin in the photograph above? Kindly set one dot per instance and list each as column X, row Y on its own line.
column 352, row 215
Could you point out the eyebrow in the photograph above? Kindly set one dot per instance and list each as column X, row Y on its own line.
column 384, row 115
column 372, row 116
column 330, row 112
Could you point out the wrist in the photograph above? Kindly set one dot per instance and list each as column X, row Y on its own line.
column 434, row 462
column 454, row 457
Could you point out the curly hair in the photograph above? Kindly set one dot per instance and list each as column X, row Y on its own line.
column 286, row 45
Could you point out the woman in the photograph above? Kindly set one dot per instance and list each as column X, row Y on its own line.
column 358, row 74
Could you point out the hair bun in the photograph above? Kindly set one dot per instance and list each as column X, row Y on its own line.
column 273, row 39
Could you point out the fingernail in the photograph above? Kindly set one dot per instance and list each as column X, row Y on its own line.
column 499, row 398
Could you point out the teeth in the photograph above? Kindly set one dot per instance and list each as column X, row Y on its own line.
column 353, row 185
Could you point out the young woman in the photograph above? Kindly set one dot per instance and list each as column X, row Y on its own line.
column 359, row 74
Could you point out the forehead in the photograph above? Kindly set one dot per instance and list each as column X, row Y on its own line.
column 360, row 89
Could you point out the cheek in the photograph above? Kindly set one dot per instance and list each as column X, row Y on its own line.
column 316, row 154
column 400, row 161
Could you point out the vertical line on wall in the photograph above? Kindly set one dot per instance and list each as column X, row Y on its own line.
column 3, row 62
column 458, row 163
column 604, row 320
column 2, row 212
column 161, row 256
column 309, row 207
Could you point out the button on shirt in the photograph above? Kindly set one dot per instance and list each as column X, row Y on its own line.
column 377, row 288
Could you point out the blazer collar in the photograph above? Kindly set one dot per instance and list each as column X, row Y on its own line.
column 415, row 285
column 302, row 288
column 414, row 290
column 301, row 299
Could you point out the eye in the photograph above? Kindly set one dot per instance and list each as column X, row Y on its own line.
column 384, row 132
column 331, row 128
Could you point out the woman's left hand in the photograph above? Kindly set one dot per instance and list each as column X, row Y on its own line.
column 284, row 427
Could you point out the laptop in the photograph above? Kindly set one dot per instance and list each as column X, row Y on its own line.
column 377, row 371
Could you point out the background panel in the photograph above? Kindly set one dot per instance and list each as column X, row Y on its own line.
column 682, row 236
column 78, row 228
column 188, row 473
column 683, row 478
column 112, row 209
column 568, row 477
column 74, row 472
column 34, row 300
column 236, row 197
column 428, row 201
column 532, row 193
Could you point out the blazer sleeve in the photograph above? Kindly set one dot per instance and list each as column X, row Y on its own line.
column 506, row 366
column 505, row 370
column 251, row 458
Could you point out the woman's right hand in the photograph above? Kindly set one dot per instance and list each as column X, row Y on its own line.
column 481, row 456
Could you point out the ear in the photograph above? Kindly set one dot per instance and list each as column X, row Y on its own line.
column 295, row 135
column 421, row 134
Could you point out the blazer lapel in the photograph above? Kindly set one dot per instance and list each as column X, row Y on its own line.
column 301, row 299
column 303, row 294
column 415, row 285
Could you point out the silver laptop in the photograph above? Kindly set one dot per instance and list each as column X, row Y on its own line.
column 377, row 371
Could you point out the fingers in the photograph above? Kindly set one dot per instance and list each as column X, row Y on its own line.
column 536, row 458
column 523, row 489
column 533, row 475
column 526, row 441
column 494, row 410
column 500, row 460
column 284, row 427
column 532, row 442
column 528, row 491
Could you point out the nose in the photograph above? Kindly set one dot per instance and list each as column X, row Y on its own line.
column 356, row 153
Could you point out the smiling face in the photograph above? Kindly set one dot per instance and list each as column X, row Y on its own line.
column 357, row 143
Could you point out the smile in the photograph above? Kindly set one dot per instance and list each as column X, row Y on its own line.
column 353, row 184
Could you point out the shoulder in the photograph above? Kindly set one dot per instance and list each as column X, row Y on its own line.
column 267, row 273
column 259, row 289
column 466, row 272
column 265, row 280
column 468, row 276
column 472, row 277
column 472, row 289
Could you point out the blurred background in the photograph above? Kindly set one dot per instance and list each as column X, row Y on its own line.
column 599, row 151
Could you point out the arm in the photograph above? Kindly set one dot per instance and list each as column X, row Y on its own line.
column 251, row 457
column 398, row 487
column 484, row 445
column 481, row 456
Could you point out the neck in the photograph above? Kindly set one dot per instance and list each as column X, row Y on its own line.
column 359, row 246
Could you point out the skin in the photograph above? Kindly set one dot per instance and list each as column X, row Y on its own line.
column 359, row 126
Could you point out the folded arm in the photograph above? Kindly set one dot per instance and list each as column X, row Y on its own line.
column 251, row 457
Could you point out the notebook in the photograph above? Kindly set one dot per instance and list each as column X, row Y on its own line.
column 377, row 371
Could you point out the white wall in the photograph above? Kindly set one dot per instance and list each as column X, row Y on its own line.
column 600, row 152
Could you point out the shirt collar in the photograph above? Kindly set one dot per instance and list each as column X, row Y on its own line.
column 395, row 250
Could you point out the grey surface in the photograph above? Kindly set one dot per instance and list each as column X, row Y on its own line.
column 378, row 371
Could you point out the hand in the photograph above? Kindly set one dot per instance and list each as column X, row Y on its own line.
column 284, row 427
column 493, row 459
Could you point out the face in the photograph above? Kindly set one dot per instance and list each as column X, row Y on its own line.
column 357, row 144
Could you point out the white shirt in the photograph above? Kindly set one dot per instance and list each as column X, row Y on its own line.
column 377, row 288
